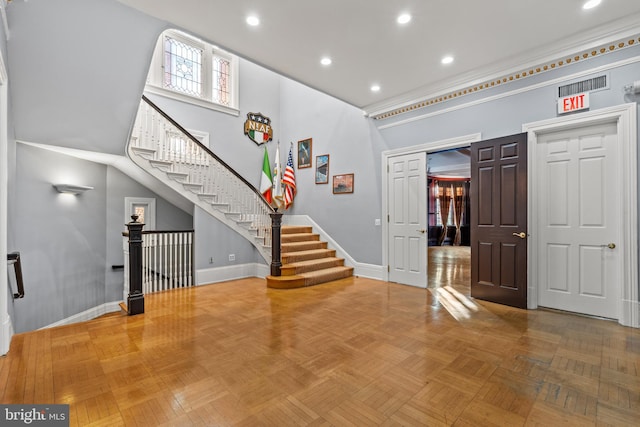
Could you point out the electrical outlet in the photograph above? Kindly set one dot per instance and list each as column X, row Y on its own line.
column 232, row 257
column 377, row 221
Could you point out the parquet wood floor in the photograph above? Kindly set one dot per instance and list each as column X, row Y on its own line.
column 354, row 352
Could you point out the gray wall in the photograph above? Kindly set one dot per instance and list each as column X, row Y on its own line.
column 354, row 146
column 69, row 243
column 77, row 70
column 216, row 240
column 61, row 237
column 168, row 217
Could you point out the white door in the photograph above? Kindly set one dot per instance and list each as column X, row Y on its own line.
column 407, row 204
column 579, row 215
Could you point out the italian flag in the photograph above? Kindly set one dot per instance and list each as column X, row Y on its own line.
column 258, row 136
column 266, row 182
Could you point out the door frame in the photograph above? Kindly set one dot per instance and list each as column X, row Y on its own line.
column 625, row 116
column 149, row 202
column 6, row 325
column 430, row 147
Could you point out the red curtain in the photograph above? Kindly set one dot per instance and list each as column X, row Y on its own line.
column 458, row 207
column 444, row 196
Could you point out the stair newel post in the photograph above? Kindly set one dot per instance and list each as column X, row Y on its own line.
column 276, row 252
column 135, row 300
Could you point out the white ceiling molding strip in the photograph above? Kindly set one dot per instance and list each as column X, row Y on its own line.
column 553, row 82
column 523, row 72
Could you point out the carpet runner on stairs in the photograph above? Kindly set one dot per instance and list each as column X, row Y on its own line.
column 306, row 261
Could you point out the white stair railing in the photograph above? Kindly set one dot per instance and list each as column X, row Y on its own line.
column 170, row 153
column 167, row 260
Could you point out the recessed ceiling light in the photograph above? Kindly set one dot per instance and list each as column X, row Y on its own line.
column 375, row 88
column 447, row 59
column 591, row 4
column 325, row 61
column 404, row 18
column 253, row 20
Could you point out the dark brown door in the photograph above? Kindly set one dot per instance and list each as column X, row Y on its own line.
column 499, row 220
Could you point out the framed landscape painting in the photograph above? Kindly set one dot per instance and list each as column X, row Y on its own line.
column 343, row 184
column 322, row 169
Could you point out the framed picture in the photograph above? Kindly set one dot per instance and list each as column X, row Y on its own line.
column 343, row 184
column 322, row 169
column 304, row 153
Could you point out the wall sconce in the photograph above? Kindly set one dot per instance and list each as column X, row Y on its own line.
column 71, row 189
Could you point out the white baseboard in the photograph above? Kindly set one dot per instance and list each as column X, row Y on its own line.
column 231, row 272
column 92, row 313
column 370, row 271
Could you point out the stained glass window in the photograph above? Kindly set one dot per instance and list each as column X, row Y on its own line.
column 182, row 67
column 221, row 80
column 192, row 70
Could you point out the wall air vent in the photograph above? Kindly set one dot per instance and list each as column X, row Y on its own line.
column 583, row 86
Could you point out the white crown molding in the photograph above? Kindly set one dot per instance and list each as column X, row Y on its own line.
column 559, row 80
column 619, row 34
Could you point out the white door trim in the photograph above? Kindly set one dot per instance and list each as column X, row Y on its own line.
column 430, row 147
column 625, row 116
column 6, row 327
column 150, row 202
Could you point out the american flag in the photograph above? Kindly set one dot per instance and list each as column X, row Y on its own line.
column 289, row 180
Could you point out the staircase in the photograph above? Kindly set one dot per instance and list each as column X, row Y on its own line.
column 171, row 154
column 167, row 151
column 306, row 261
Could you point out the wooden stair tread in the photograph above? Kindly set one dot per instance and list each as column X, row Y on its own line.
column 310, row 265
column 293, row 229
column 307, row 255
column 302, row 246
column 326, row 272
column 309, row 279
column 285, row 282
column 300, row 237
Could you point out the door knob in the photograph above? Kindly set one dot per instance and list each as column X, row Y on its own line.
column 611, row 245
column 422, row 231
column 521, row 235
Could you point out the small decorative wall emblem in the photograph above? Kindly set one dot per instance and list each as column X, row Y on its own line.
column 258, row 128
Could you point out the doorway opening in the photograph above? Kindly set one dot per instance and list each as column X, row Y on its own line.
column 448, row 222
column 392, row 193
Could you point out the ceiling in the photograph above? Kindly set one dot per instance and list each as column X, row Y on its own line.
column 367, row 46
column 454, row 163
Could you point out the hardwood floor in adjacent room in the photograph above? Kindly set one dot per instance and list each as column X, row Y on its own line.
column 351, row 352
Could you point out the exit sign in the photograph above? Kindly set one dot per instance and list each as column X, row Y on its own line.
column 576, row 102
